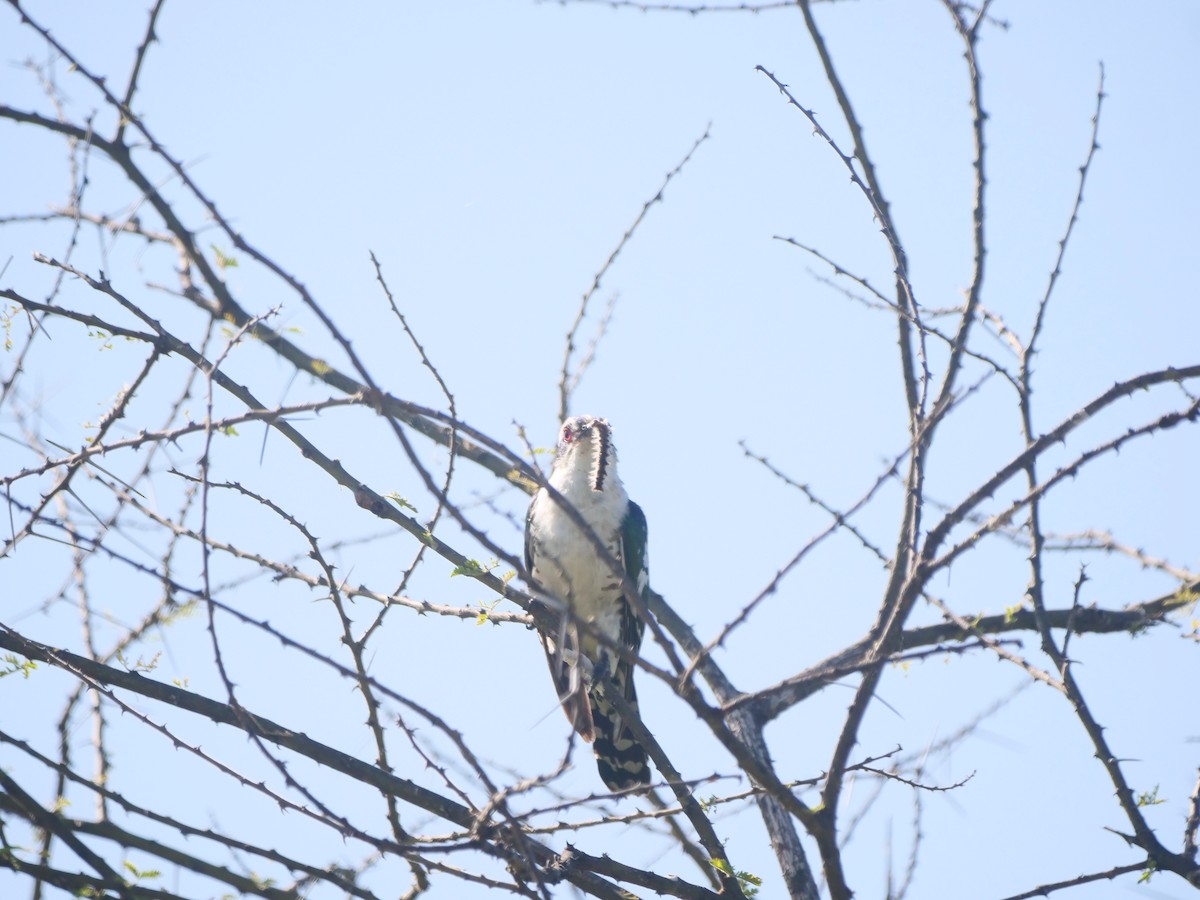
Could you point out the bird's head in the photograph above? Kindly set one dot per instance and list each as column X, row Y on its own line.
column 585, row 447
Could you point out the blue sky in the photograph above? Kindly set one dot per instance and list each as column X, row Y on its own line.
column 492, row 155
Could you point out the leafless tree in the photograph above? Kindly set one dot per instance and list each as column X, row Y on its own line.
column 154, row 521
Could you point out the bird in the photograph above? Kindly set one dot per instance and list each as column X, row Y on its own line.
column 563, row 561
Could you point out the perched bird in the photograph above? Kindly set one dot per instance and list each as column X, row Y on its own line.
column 564, row 562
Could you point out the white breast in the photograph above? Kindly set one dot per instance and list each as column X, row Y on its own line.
column 565, row 561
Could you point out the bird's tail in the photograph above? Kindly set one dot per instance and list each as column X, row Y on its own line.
column 619, row 757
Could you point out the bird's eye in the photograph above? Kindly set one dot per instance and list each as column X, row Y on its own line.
column 566, row 435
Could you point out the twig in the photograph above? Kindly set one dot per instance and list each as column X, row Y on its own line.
column 568, row 381
column 1045, row 890
column 138, row 59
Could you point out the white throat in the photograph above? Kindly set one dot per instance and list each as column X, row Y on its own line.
column 586, row 464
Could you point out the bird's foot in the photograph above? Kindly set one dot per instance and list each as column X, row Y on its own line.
column 602, row 670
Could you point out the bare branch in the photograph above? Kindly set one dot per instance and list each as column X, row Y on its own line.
column 1045, row 890
column 568, row 380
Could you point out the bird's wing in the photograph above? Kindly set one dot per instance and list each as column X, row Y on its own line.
column 562, row 654
column 621, row 759
column 529, row 536
column 634, row 535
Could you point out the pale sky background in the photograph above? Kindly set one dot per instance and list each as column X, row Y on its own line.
column 492, row 155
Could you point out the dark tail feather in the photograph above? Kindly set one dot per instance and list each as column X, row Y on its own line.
column 619, row 757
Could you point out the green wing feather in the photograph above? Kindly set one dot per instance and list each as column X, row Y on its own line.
column 620, row 758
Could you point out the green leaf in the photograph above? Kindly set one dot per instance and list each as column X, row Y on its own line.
column 178, row 611
column 471, row 567
column 748, row 880
column 223, row 261
column 140, row 664
column 1149, row 798
column 721, row 865
column 400, row 501
column 139, row 874
column 474, row 568
column 14, row 664
column 485, row 610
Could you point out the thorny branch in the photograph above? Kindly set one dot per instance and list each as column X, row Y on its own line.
column 84, row 498
column 568, row 379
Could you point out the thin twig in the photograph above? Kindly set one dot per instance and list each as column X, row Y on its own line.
column 569, row 381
